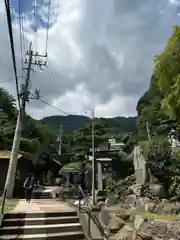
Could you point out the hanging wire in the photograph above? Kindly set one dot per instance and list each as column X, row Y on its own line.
column 35, row 26
column 20, row 35
column 9, row 21
column 50, row 105
column 48, row 26
column 23, row 31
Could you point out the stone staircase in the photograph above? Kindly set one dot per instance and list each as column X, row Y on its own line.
column 41, row 195
column 41, row 225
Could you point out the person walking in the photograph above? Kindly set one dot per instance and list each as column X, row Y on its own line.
column 28, row 186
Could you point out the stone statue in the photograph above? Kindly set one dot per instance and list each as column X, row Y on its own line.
column 140, row 166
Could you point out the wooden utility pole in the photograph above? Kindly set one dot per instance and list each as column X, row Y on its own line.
column 11, row 174
column 60, row 140
column 93, row 164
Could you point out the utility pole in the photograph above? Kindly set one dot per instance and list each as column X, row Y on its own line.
column 148, row 131
column 60, row 140
column 93, row 164
column 11, row 174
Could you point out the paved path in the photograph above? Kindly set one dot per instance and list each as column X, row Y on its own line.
column 41, row 205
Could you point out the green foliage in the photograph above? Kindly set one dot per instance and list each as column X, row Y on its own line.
column 168, row 74
column 121, row 186
column 174, row 173
column 36, row 138
column 160, row 106
column 164, row 163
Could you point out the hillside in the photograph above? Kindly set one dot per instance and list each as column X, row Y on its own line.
column 73, row 122
column 160, row 104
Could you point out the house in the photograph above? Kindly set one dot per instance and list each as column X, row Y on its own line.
column 24, row 166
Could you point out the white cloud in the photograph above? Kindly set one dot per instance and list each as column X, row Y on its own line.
column 99, row 53
column 80, row 101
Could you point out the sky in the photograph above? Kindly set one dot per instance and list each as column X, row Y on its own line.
column 100, row 52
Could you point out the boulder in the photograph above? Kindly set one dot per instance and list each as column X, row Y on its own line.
column 115, row 223
column 125, row 233
column 123, row 215
column 151, row 207
column 131, row 200
column 158, row 190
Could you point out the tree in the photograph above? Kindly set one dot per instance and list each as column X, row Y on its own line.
column 167, row 72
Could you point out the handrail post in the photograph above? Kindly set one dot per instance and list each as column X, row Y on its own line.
column 89, row 222
column 79, row 205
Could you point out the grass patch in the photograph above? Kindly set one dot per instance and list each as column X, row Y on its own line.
column 153, row 216
column 10, row 204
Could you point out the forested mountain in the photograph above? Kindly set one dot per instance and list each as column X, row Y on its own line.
column 74, row 122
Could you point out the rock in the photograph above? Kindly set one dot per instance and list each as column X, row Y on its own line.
column 131, row 199
column 124, row 234
column 158, row 190
column 138, row 221
column 151, row 207
column 123, row 215
column 100, row 204
column 135, row 189
column 115, row 223
column 113, row 198
column 145, row 236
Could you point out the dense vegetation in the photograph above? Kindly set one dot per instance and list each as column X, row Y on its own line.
column 74, row 122
column 37, row 141
column 160, row 106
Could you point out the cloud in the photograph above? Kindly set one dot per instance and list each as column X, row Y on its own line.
column 99, row 52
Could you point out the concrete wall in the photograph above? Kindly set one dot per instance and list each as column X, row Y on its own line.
column 23, row 168
column 1, row 218
column 3, row 172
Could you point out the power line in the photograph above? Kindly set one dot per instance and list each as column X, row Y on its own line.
column 24, row 26
column 9, row 21
column 35, row 26
column 54, row 107
column 43, row 101
column 20, row 33
column 48, row 26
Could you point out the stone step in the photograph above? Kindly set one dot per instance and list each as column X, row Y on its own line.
column 39, row 221
column 40, row 229
column 50, row 236
column 14, row 215
column 41, row 195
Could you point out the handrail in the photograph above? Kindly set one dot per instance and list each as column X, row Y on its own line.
column 3, row 201
column 91, row 216
column 86, row 199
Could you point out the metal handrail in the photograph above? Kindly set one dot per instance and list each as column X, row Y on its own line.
column 3, row 201
column 90, row 216
column 86, row 199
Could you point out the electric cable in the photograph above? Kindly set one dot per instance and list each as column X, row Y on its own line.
column 9, row 21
